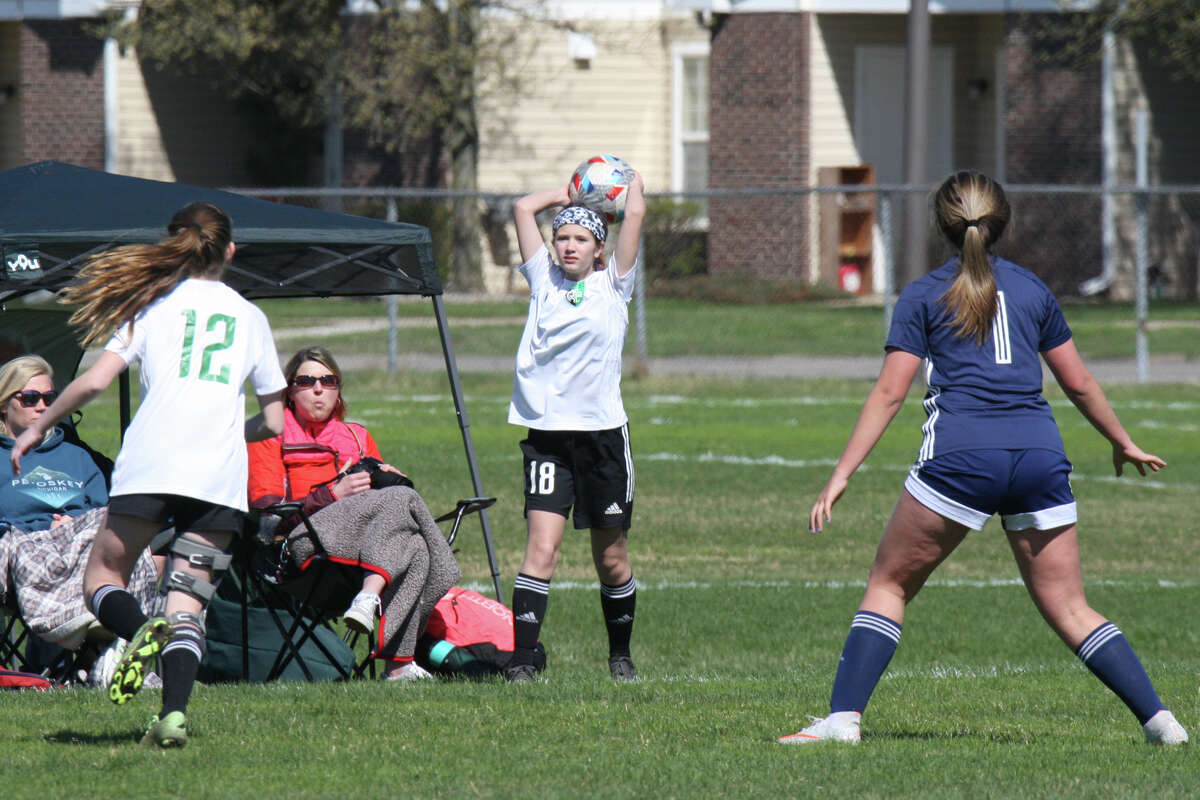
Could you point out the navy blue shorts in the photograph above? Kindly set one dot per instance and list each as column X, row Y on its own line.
column 591, row 471
column 1027, row 488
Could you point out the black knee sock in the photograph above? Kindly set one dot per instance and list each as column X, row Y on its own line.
column 530, row 596
column 180, row 663
column 618, row 604
column 118, row 610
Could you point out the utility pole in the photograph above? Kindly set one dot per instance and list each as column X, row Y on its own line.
column 916, row 139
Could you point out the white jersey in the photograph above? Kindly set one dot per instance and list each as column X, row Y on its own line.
column 196, row 346
column 568, row 372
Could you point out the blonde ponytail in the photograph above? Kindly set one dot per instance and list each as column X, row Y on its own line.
column 972, row 213
column 115, row 285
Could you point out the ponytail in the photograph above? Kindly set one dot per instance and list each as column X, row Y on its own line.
column 114, row 286
column 972, row 213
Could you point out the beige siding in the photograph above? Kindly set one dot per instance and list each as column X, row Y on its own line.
column 10, row 109
column 140, row 148
column 533, row 136
column 175, row 128
column 620, row 104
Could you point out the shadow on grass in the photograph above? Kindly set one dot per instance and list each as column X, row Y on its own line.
column 77, row 738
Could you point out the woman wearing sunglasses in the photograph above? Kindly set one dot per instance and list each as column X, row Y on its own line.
column 377, row 531
column 50, row 515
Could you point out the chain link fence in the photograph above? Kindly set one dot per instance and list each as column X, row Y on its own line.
column 1122, row 243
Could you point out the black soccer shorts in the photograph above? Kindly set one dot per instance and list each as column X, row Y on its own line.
column 590, row 471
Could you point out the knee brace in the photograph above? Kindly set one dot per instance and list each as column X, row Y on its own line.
column 197, row 554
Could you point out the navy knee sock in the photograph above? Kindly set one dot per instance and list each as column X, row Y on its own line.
column 530, row 597
column 1109, row 656
column 865, row 655
column 618, row 603
column 118, row 610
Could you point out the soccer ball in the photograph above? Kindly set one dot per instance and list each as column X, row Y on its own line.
column 601, row 183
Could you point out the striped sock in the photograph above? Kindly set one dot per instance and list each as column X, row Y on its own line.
column 118, row 610
column 180, row 662
column 618, row 604
column 869, row 647
column 1109, row 656
column 530, row 597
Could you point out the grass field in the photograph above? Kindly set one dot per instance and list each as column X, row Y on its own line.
column 740, row 621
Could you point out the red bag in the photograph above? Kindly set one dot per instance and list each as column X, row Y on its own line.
column 25, row 680
column 465, row 617
column 469, row 634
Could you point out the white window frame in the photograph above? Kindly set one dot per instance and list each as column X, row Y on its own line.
column 679, row 52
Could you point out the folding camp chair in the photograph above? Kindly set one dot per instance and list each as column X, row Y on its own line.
column 23, row 651
column 304, row 605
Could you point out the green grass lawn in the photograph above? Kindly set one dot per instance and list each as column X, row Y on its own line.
column 689, row 328
column 740, row 621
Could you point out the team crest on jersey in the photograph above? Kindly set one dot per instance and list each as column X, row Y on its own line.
column 575, row 294
column 49, row 486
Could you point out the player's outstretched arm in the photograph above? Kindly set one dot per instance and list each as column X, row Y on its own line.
column 1083, row 390
column 885, row 399
column 525, row 211
column 629, row 239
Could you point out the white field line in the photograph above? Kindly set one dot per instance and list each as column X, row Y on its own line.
column 666, row 400
column 785, row 583
column 825, row 463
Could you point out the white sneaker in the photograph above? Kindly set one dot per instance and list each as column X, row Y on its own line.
column 412, row 671
column 839, row 727
column 1163, row 728
column 361, row 614
column 106, row 664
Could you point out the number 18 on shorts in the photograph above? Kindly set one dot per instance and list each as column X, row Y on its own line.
column 590, row 471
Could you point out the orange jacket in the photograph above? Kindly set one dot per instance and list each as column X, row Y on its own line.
column 302, row 462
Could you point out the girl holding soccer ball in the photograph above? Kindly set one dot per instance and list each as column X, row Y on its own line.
column 991, row 446
column 567, row 392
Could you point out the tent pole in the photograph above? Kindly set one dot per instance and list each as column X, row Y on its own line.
column 439, row 310
column 123, row 399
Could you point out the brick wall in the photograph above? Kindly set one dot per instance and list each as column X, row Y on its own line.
column 61, row 93
column 759, row 137
column 1052, row 135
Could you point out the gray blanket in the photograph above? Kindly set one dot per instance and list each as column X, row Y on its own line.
column 388, row 531
column 45, row 571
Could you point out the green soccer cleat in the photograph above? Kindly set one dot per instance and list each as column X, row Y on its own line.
column 170, row 731
column 131, row 670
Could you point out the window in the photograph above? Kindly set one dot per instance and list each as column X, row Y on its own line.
column 689, row 123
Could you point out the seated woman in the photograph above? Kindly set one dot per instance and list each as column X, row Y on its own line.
column 388, row 532
column 49, row 516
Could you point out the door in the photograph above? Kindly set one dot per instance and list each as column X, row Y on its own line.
column 879, row 99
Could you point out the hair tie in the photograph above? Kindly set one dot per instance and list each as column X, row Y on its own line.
column 972, row 222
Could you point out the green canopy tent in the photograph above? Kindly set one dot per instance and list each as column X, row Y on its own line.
column 54, row 215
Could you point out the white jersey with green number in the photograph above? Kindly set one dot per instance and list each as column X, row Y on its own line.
column 197, row 346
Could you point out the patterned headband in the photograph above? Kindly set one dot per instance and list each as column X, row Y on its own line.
column 584, row 217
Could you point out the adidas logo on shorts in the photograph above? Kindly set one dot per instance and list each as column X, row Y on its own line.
column 613, row 508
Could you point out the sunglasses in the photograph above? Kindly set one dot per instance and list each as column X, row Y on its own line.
column 309, row 381
column 29, row 398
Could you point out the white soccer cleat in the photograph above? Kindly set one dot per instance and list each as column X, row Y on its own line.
column 1163, row 728
column 841, row 726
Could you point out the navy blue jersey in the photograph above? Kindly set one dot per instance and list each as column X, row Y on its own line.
column 985, row 396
